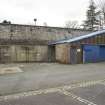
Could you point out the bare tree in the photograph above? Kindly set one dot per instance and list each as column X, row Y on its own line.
column 71, row 24
column 101, row 5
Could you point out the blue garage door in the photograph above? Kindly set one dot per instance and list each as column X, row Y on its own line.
column 102, row 53
column 91, row 53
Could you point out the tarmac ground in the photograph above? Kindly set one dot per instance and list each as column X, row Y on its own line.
column 53, row 84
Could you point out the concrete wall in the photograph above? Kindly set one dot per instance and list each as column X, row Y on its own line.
column 24, row 52
column 69, row 54
column 20, row 53
column 62, row 53
column 38, row 32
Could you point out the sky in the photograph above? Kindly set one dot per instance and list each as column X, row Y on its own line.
column 52, row 12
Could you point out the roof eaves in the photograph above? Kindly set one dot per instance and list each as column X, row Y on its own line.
column 79, row 38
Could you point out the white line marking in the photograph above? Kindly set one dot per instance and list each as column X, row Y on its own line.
column 77, row 98
column 50, row 90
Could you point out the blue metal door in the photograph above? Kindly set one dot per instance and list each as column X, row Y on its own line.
column 102, row 53
column 91, row 53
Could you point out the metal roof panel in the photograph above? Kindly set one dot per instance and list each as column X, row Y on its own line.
column 78, row 38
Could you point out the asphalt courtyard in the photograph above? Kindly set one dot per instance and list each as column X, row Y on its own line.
column 53, row 84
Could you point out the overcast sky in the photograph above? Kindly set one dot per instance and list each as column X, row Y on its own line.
column 53, row 12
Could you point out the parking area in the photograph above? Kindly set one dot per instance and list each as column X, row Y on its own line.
column 87, row 93
column 48, row 99
column 94, row 94
column 53, row 84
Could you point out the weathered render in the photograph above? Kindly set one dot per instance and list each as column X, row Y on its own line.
column 27, row 43
column 62, row 54
column 20, row 32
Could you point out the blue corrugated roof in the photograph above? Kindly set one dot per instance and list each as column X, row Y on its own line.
column 78, row 38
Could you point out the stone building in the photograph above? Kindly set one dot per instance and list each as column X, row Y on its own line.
column 27, row 43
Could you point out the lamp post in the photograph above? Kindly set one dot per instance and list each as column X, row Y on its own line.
column 35, row 21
